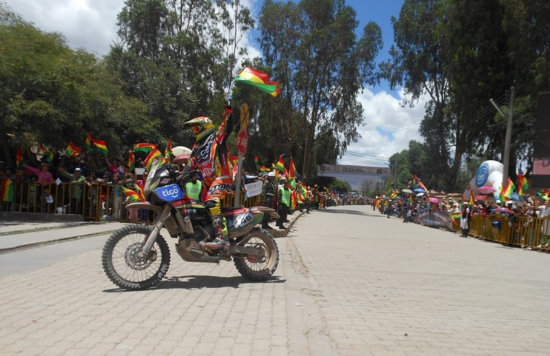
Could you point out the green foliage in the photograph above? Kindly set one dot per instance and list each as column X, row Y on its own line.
column 312, row 49
column 340, row 186
column 178, row 57
column 51, row 94
column 176, row 60
column 461, row 54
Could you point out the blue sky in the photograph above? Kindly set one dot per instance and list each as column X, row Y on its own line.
column 387, row 127
column 381, row 13
column 366, row 11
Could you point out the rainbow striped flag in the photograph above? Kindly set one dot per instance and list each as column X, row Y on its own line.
column 291, row 169
column 455, row 218
column 522, row 183
column 132, row 195
column 544, row 194
column 72, row 149
column 88, row 142
column 259, row 80
column 168, row 151
column 47, row 153
column 101, row 145
column 264, row 169
column 280, row 165
column 144, row 147
column 7, row 190
column 131, row 160
column 507, row 190
column 154, row 156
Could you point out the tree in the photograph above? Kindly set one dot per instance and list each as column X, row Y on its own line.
column 312, row 48
column 419, row 62
column 461, row 55
column 52, row 95
column 340, row 186
column 178, row 57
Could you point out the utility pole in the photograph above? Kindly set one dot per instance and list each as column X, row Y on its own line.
column 507, row 142
column 506, row 169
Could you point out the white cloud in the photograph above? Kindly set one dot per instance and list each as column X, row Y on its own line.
column 86, row 24
column 387, row 128
column 90, row 24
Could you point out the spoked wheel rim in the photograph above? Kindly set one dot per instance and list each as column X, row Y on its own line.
column 130, row 264
column 259, row 263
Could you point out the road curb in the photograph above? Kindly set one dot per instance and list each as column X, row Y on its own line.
column 284, row 233
column 52, row 242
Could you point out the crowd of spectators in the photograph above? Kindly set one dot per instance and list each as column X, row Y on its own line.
column 32, row 187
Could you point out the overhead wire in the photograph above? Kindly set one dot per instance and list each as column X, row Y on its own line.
column 476, row 122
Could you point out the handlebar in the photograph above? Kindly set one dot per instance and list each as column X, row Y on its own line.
column 186, row 175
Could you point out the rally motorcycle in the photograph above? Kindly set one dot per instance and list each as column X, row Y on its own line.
column 137, row 257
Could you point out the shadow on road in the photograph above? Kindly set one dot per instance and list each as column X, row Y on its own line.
column 197, row 282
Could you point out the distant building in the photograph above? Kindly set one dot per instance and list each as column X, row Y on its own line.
column 361, row 178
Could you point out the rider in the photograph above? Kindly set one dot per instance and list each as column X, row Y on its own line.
column 210, row 157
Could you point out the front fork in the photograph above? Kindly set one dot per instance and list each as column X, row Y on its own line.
column 156, row 230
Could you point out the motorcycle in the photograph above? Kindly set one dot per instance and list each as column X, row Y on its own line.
column 137, row 257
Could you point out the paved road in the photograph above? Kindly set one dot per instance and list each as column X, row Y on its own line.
column 350, row 282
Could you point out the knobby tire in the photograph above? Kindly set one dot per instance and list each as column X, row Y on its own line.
column 132, row 282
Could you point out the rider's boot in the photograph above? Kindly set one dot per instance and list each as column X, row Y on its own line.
column 221, row 242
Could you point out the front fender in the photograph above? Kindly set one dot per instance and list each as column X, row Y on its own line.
column 145, row 205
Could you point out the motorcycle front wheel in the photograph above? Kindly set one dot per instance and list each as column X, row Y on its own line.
column 255, row 268
column 126, row 266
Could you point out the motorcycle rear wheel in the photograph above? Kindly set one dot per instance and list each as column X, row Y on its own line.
column 123, row 265
column 258, row 269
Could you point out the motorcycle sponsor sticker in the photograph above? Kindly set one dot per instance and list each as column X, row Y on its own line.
column 242, row 220
column 169, row 193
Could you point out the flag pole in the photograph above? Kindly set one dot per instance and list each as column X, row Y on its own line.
column 242, row 143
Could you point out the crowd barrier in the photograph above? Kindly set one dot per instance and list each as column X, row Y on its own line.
column 523, row 231
column 95, row 201
column 520, row 231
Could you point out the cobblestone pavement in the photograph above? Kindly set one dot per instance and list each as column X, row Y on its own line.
column 393, row 288
column 349, row 282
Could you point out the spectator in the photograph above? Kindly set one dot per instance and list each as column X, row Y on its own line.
column 267, row 197
column 76, row 181
column 92, row 195
column 283, row 198
column 6, row 189
column 114, row 166
column 116, row 196
column 43, row 174
column 545, row 213
column 465, row 220
column 195, row 189
column 20, row 190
